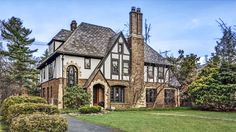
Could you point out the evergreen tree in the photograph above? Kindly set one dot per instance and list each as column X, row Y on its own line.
column 19, row 53
column 215, row 86
column 226, row 46
column 44, row 56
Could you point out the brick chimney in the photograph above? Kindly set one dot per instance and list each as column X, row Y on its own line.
column 73, row 25
column 136, row 42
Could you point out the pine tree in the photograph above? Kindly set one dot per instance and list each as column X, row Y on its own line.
column 19, row 53
column 44, row 56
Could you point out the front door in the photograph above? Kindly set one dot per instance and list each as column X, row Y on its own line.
column 98, row 95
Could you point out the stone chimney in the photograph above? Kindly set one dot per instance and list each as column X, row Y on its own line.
column 136, row 43
column 73, row 25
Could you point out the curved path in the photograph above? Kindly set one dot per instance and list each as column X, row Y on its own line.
column 75, row 125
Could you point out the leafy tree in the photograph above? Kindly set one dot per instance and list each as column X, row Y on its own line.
column 75, row 97
column 184, row 69
column 19, row 53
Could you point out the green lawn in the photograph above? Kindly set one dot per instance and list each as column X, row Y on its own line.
column 169, row 121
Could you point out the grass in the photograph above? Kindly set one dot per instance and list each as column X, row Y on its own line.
column 166, row 120
column 3, row 126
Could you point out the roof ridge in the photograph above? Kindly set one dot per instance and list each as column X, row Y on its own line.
column 97, row 26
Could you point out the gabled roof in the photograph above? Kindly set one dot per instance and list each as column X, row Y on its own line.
column 88, row 40
column 152, row 56
column 62, row 35
column 95, row 41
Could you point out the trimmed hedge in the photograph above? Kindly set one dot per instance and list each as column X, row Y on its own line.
column 18, row 100
column 29, row 108
column 90, row 109
column 38, row 122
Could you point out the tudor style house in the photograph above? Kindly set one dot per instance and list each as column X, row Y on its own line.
column 115, row 70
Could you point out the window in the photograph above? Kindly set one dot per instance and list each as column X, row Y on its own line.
column 43, row 92
column 126, row 67
column 150, row 71
column 117, row 94
column 151, row 95
column 120, row 48
column 87, row 63
column 115, row 66
column 51, row 92
column 72, row 75
column 44, row 73
column 160, row 72
column 47, row 93
column 50, row 71
column 169, row 97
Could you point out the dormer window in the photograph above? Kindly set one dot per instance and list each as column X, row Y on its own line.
column 87, row 63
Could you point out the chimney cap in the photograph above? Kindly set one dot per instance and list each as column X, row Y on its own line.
column 138, row 9
column 133, row 8
column 73, row 21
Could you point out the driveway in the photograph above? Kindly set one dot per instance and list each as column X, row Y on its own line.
column 75, row 125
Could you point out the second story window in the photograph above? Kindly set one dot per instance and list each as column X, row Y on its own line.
column 87, row 63
column 44, row 76
column 115, row 67
column 50, row 71
column 150, row 72
column 161, row 72
column 120, row 48
column 126, row 67
column 72, row 75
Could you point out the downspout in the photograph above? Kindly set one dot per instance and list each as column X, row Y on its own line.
column 62, row 70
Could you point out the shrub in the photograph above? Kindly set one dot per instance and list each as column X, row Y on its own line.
column 38, row 122
column 17, row 100
column 75, row 97
column 90, row 109
column 29, row 108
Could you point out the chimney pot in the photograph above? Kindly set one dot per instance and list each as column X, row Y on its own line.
column 138, row 9
column 133, row 8
column 73, row 25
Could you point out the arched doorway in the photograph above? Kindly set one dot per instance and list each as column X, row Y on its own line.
column 98, row 95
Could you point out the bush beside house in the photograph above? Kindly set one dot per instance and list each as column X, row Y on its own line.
column 90, row 109
column 18, row 100
column 31, row 114
column 38, row 122
column 29, row 108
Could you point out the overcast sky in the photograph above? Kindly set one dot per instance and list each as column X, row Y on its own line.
column 176, row 24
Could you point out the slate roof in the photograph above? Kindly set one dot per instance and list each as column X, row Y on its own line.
column 88, row 40
column 152, row 56
column 96, row 41
column 62, row 35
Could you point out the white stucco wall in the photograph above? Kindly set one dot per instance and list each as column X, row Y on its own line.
column 84, row 73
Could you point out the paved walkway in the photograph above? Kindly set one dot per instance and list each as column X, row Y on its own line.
column 75, row 125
